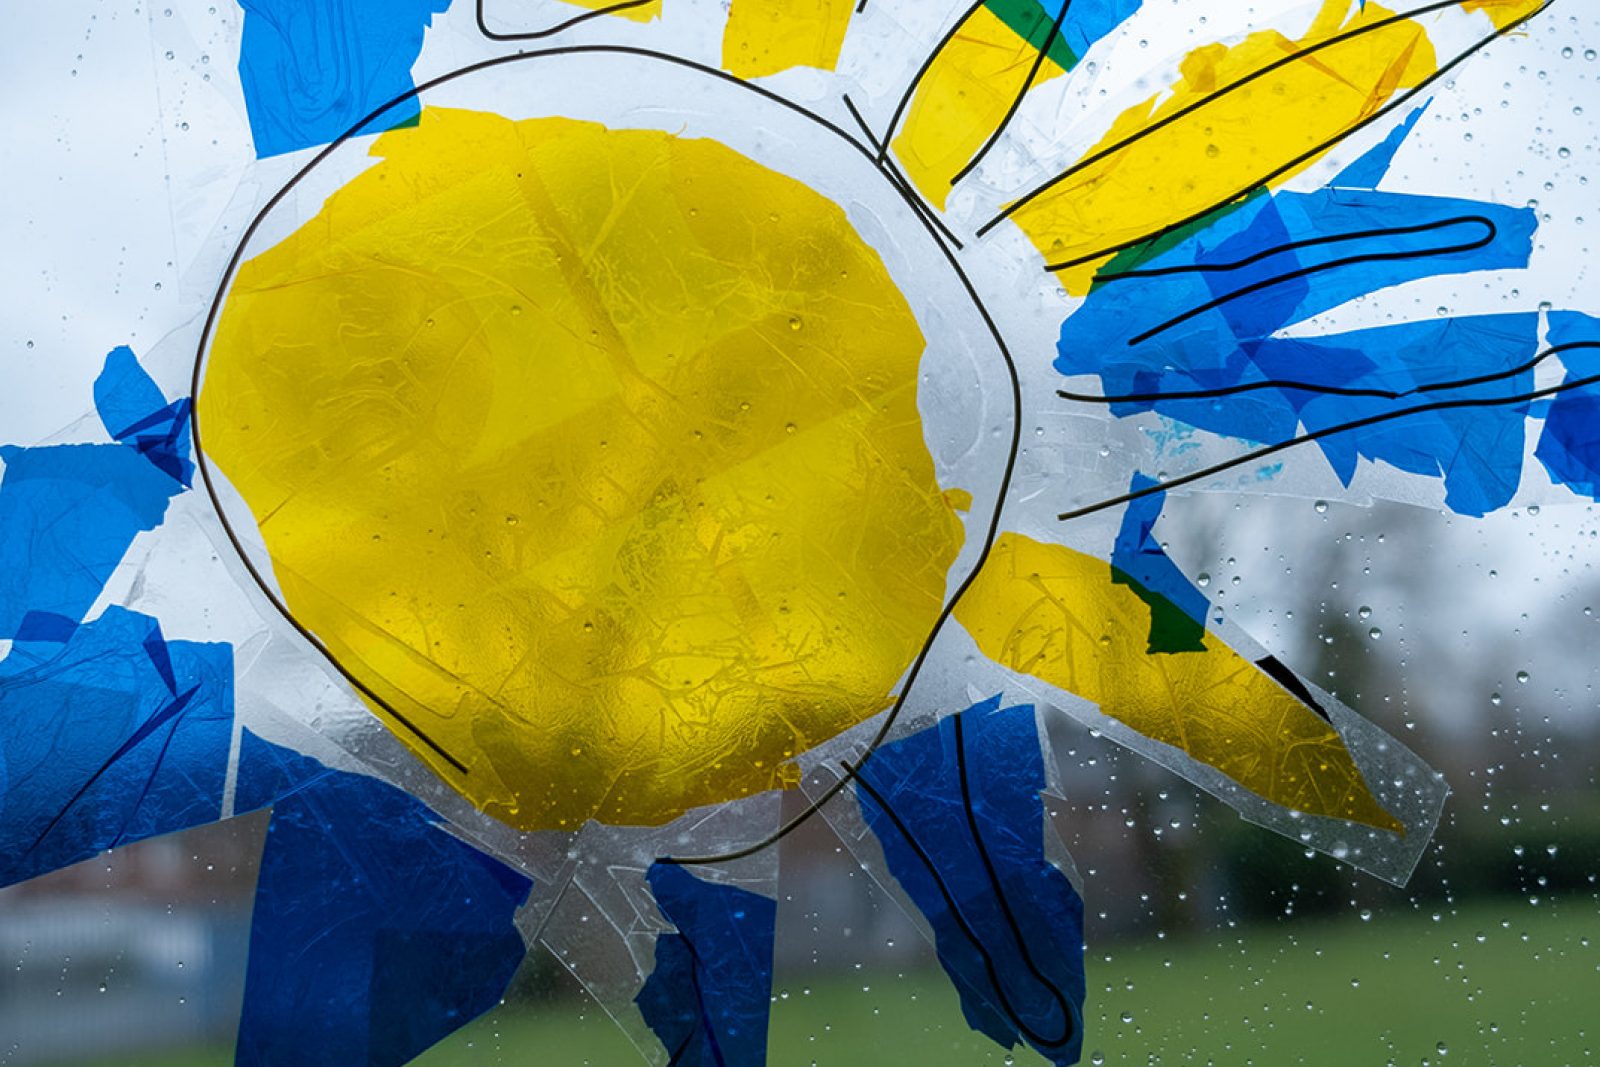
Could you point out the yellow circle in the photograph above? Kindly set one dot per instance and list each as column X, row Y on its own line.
column 595, row 454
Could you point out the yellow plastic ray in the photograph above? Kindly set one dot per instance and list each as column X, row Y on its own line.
column 767, row 36
column 1050, row 612
column 1144, row 178
column 963, row 98
column 595, row 454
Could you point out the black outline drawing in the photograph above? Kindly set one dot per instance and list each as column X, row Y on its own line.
column 1003, row 488
column 551, row 31
column 1063, row 1001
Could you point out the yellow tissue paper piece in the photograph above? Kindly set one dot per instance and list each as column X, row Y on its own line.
column 1169, row 175
column 593, row 453
column 637, row 13
column 1055, row 614
column 1504, row 12
column 768, row 36
column 962, row 99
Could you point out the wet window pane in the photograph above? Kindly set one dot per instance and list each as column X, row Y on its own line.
column 1029, row 532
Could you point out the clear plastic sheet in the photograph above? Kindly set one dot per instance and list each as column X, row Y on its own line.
column 568, row 427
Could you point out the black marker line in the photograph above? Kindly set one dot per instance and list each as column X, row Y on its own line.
column 175, row 710
column 1329, row 431
column 916, row 79
column 894, row 175
column 866, row 130
column 1293, row 246
column 576, row 20
column 1400, row 101
column 1279, row 672
column 1328, row 390
column 1003, row 488
column 1317, row 268
column 1000, row 893
column 1016, row 102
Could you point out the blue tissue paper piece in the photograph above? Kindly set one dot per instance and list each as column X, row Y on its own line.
column 1194, row 334
column 135, row 413
column 376, row 933
column 312, row 69
column 710, row 995
column 108, row 734
column 68, row 513
column 957, row 810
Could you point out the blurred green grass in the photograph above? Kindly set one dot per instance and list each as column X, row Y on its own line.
column 1494, row 983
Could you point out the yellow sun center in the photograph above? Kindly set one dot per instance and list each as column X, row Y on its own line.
column 595, row 454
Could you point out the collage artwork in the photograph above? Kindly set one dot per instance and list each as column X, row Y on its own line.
column 594, row 441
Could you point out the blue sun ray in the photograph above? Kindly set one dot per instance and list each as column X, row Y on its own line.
column 957, row 809
column 110, row 736
column 710, row 995
column 376, row 932
column 1194, row 331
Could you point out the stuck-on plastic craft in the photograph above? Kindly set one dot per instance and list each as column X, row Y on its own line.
column 620, row 426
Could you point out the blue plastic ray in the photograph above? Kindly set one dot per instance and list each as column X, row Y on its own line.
column 710, row 995
column 1195, row 334
column 311, row 69
column 376, row 932
column 109, row 736
column 1367, row 171
column 957, row 810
